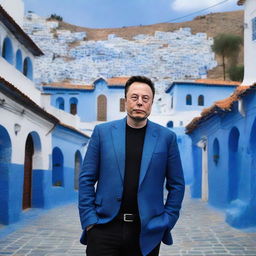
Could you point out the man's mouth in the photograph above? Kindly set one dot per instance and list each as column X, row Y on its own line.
column 139, row 111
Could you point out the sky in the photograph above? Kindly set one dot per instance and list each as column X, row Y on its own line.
column 120, row 13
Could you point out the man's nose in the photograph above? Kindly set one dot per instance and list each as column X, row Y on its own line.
column 139, row 101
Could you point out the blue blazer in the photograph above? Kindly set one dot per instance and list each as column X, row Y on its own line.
column 104, row 163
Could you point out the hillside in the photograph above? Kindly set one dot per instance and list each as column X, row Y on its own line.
column 212, row 24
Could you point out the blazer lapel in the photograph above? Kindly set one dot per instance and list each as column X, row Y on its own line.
column 118, row 138
column 148, row 149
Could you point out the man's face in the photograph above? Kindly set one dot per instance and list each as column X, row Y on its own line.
column 139, row 100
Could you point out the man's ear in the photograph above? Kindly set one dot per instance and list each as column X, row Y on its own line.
column 125, row 102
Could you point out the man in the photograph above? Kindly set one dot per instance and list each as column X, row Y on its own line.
column 130, row 159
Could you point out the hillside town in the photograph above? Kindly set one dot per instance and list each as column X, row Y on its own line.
column 165, row 56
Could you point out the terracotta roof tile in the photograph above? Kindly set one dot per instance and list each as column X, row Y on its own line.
column 74, row 129
column 219, row 106
column 117, row 81
column 66, row 85
column 219, row 82
column 12, row 92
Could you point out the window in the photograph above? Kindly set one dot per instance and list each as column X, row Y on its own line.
column 201, row 100
column 216, row 151
column 188, row 99
column 73, row 106
column 28, row 68
column 170, row 124
column 172, row 102
column 122, row 105
column 57, row 168
column 60, row 103
column 254, row 29
column 19, row 60
column 7, row 51
column 102, row 108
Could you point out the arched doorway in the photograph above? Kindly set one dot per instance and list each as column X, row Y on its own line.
column 233, row 171
column 5, row 159
column 253, row 164
column 78, row 164
column 102, row 108
column 28, row 164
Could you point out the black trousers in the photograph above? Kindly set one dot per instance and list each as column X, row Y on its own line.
column 116, row 238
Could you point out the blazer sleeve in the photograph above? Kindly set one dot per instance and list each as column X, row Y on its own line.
column 88, row 177
column 174, row 183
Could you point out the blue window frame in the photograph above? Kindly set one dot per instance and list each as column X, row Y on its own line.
column 254, row 29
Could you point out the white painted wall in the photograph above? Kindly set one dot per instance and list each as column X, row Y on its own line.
column 21, row 82
column 11, row 74
column 15, row 9
column 11, row 114
column 249, row 44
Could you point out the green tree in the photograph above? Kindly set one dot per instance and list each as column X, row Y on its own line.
column 236, row 73
column 227, row 46
column 55, row 17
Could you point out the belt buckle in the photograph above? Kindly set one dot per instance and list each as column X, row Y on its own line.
column 125, row 217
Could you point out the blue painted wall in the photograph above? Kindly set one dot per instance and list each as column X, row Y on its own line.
column 87, row 100
column 44, row 193
column 211, row 93
column 232, row 180
column 184, row 144
column 47, row 194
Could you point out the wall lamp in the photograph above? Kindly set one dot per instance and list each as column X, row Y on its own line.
column 17, row 128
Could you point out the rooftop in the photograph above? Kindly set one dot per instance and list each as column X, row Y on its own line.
column 206, row 82
column 219, row 106
column 66, row 85
column 18, row 32
column 15, row 94
column 117, row 80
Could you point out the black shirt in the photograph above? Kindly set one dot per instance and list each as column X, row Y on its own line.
column 134, row 148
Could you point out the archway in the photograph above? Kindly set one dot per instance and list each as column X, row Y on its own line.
column 253, row 164
column 5, row 159
column 28, row 165
column 233, row 171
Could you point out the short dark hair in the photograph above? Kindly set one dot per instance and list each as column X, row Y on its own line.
column 139, row 79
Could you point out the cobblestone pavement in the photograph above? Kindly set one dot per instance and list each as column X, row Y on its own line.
column 201, row 230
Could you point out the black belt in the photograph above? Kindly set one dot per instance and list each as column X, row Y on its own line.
column 127, row 217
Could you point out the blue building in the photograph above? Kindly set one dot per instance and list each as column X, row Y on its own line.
column 101, row 101
column 224, row 159
column 40, row 154
column 187, row 100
